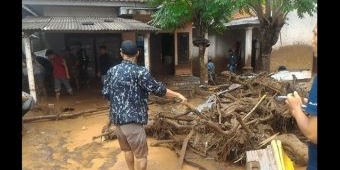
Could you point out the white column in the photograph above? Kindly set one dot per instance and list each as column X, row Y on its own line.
column 31, row 83
column 147, row 51
column 249, row 37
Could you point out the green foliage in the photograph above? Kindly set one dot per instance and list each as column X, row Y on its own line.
column 278, row 6
column 205, row 14
column 171, row 15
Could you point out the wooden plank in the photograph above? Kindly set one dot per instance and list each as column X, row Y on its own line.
column 271, row 159
column 264, row 157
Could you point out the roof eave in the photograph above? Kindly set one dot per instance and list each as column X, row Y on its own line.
column 80, row 3
column 244, row 22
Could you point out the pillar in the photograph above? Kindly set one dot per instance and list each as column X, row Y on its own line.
column 147, row 51
column 247, row 61
column 30, row 73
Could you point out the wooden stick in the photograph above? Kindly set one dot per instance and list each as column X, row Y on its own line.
column 216, row 127
column 178, row 126
column 104, row 134
column 253, row 109
column 156, row 143
column 239, row 119
column 218, row 105
column 193, row 109
column 184, row 148
column 200, row 167
column 60, row 116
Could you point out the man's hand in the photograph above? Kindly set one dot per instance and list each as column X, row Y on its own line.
column 294, row 102
column 183, row 99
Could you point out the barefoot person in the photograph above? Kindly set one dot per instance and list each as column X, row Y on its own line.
column 127, row 87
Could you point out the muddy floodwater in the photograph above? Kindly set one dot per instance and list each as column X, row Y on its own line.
column 67, row 144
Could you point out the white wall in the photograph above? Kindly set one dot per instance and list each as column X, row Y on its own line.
column 78, row 11
column 297, row 31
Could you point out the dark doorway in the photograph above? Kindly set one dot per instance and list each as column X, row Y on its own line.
column 168, row 52
column 254, row 46
column 140, row 46
column 162, row 54
column 183, row 48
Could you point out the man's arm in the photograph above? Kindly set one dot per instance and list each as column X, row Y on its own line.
column 307, row 124
column 169, row 93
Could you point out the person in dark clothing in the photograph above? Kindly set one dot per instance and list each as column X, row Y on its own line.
column 48, row 79
column 83, row 62
column 104, row 64
column 127, row 87
column 72, row 64
column 232, row 61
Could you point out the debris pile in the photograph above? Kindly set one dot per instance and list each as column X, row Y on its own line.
column 241, row 114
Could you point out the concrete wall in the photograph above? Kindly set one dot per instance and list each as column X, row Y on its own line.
column 294, row 47
column 78, row 11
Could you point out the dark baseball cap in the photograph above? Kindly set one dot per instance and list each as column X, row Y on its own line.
column 129, row 48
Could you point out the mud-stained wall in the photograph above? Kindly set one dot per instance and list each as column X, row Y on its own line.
column 129, row 36
column 294, row 57
column 294, row 47
column 296, row 31
column 78, row 11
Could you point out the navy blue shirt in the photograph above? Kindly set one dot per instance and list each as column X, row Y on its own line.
column 105, row 62
column 127, row 87
column 312, row 109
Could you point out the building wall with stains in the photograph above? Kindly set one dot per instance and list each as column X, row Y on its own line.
column 294, row 47
column 78, row 11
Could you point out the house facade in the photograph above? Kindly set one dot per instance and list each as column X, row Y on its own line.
column 59, row 24
column 105, row 25
column 293, row 49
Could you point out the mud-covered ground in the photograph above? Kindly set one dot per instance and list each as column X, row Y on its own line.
column 68, row 145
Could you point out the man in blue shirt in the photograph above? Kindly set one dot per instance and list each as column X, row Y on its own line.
column 211, row 70
column 127, row 88
column 232, row 61
column 307, row 122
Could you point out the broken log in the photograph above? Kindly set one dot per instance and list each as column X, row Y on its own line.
column 294, row 148
column 184, row 148
column 63, row 116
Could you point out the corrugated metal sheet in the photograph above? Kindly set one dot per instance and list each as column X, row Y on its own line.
column 84, row 24
column 35, row 23
column 243, row 21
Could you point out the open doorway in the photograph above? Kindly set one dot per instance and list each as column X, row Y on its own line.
column 183, row 48
column 162, row 54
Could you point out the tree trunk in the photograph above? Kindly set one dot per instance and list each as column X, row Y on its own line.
column 270, row 31
column 203, row 65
